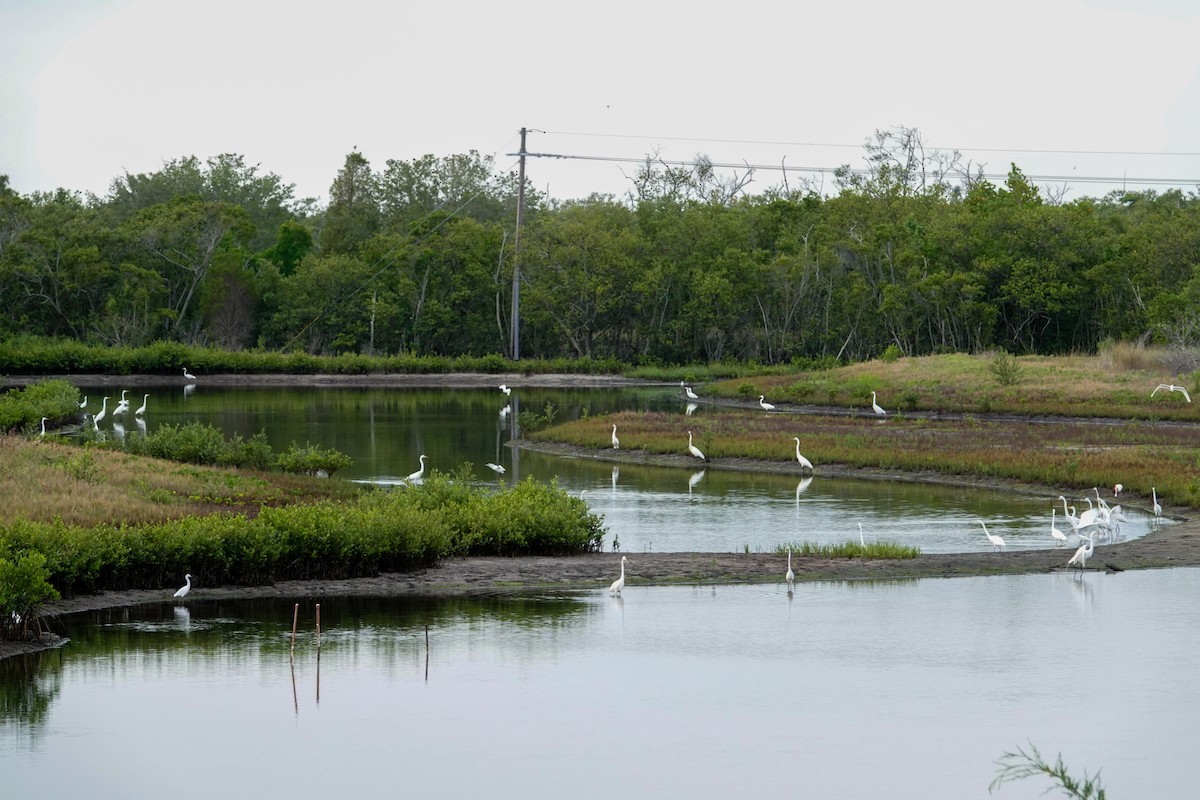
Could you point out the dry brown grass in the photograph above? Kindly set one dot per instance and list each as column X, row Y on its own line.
column 44, row 480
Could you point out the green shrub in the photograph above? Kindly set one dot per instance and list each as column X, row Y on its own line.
column 1005, row 369
column 890, row 354
column 24, row 588
column 312, row 459
column 23, row 409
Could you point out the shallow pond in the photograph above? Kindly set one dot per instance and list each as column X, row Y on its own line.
column 874, row 689
column 645, row 508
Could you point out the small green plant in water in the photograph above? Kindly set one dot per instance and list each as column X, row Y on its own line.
column 533, row 421
column 1014, row 766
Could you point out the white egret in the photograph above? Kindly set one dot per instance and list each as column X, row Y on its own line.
column 1083, row 553
column 123, row 405
column 619, row 583
column 103, row 410
column 416, row 476
column 506, row 389
column 188, row 375
column 43, row 433
column 615, row 441
column 496, row 468
column 693, row 449
column 1171, row 388
column 1157, row 507
column 997, row 542
column 861, row 540
column 142, row 408
column 187, row 586
column 804, row 462
column 84, row 403
column 878, row 408
column 687, row 390
column 762, row 401
column 1055, row 533
column 1071, row 518
column 790, row 576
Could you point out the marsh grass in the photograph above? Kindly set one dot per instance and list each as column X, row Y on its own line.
column 1066, row 454
column 850, row 549
column 1115, row 384
column 95, row 487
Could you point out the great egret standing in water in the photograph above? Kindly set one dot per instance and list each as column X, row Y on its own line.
column 142, row 408
column 103, row 410
column 123, row 405
column 615, row 441
column 693, row 449
column 619, row 583
column 878, row 408
column 1083, row 553
column 790, row 577
column 861, row 540
column 1055, row 533
column 1157, row 507
column 687, row 390
column 188, row 375
column 804, row 462
column 187, row 586
column 997, row 542
column 416, row 476
column 84, row 403
column 762, row 401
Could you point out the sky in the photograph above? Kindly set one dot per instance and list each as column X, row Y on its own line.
column 1069, row 88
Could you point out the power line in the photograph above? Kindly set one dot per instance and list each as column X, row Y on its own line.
column 859, row 146
column 861, row 170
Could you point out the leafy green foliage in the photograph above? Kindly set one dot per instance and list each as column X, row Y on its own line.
column 381, row 531
column 1005, row 369
column 24, row 588
column 312, row 459
column 23, row 409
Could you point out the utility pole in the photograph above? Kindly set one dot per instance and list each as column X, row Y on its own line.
column 516, row 288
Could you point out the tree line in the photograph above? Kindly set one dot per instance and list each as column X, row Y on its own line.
column 917, row 253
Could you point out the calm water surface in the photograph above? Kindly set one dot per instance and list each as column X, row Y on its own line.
column 645, row 508
column 865, row 690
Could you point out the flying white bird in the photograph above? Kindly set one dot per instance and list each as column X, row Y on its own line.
column 1171, row 388
column 496, row 468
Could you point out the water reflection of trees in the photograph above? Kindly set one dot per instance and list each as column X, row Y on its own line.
column 28, row 687
column 255, row 635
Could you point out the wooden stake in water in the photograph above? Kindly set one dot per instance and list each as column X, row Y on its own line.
column 426, row 653
column 295, row 616
column 318, row 626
